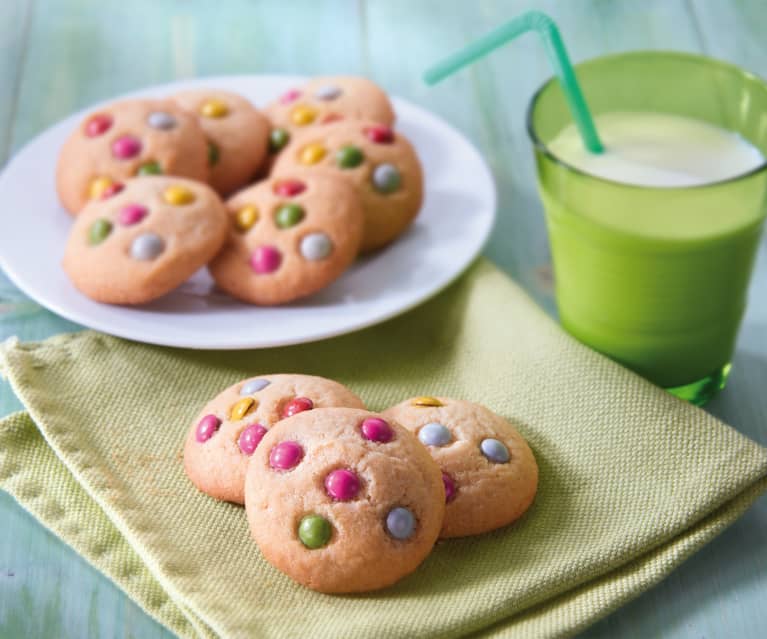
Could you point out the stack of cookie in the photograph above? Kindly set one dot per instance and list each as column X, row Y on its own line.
column 345, row 500
column 317, row 178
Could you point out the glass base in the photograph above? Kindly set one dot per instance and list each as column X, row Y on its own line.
column 700, row 392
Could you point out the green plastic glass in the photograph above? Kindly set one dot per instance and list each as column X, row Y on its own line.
column 655, row 278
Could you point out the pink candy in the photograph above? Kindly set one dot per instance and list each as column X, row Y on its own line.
column 290, row 96
column 265, row 259
column 377, row 430
column 126, row 147
column 285, row 455
column 132, row 214
column 297, row 405
column 98, row 125
column 342, row 485
column 251, row 437
column 380, row 134
column 450, row 488
column 112, row 189
column 289, row 188
column 207, row 427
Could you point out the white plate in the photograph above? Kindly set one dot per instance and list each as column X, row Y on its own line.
column 457, row 216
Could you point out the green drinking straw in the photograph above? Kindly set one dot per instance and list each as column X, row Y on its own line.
column 555, row 48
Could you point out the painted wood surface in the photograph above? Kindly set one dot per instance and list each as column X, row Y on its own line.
column 57, row 56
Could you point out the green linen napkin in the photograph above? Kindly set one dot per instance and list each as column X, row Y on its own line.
column 632, row 480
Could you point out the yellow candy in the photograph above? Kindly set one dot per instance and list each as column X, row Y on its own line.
column 246, row 217
column 98, row 186
column 425, row 401
column 242, row 408
column 214, row 108
column 303, row 115
column 312, row 153
column 178, row 195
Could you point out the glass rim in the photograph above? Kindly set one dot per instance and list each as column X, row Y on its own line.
column 541, row 146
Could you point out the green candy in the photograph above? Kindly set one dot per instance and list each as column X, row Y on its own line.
column 289, row 215
column 150, row 168
column 213, row 154
column 278, row 138
column 99, row 231
column 314, row 531
column 348, row 157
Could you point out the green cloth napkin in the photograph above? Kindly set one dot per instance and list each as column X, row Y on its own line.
column 632, row 480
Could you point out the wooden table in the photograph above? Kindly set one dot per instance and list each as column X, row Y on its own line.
column 61, row 55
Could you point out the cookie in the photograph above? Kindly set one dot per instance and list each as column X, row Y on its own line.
column 146, row 240
column 237, row 135
column 378, row 161
column 126, row 139
column 342, row 500
column 489, row 471
column 229, row 428
column 323, row 100
column 289, row 237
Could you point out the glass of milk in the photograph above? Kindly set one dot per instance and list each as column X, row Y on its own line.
column 653, row 242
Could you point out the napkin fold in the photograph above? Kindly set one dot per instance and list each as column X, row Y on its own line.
column 632, row 480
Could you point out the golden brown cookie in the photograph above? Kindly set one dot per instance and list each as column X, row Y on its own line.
column 327, row 99
column 378, row 161
column 289, row 237
column 229, row 428
column 342, row 500
column 237, row 135
column 489, row 471
column 126, row 139
column 144, row 241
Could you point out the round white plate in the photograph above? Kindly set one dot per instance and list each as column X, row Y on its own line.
column 452, row 227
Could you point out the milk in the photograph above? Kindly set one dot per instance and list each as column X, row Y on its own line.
column 659, row 150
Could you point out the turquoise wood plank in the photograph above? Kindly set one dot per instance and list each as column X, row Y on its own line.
column 14, row 29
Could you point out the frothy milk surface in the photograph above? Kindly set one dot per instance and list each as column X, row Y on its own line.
column 658, row 149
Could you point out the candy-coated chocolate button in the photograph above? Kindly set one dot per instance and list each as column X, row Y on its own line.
column 214, row 108
column 150, row 168
column 161, row 120
column 99, row 187
column 291, row 95
column 99, row 231
column 328, row 92
column 265, row 259
column 425, row 400
column 147, row 247
column 214, row 155
column 207, row 427
column 495, row 451
column 246, row 217
column 400, row 523
column 379, row 134
column 386, row 178
column 98, row 124
column 278, row 138
column 285, row 455
column 289, row 188
column 348, row 157
column 303, row 115
column 450, row 488
column 253, row 386
column 126, row 147
column 297, row 405
column 242, row 408
column 132, row 214
column 342, row 484
column 312, row 153
column 178, row 195
column 288, row 215
column 434, row 434
column 377, row 430
column 316, row 246
column 250, row 438
column 314, row 531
